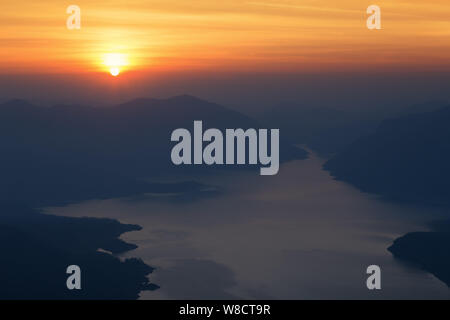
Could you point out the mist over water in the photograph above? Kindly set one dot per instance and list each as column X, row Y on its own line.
column 297, row 235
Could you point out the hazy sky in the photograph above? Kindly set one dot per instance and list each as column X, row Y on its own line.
column 311, row 35
column 173, row 39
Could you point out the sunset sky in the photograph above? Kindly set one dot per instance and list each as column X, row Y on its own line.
column 253, row 35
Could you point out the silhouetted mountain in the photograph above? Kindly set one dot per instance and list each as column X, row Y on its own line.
column 423, row 107
column 429, row 250
column 71, row 153
column 324, row 130
column 131, row 139
column 405, row 159
column 37, row 249
column 62, row 154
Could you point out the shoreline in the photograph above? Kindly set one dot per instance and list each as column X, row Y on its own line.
column 53, row 243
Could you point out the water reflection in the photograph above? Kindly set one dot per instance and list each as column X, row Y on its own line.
column 297, row 235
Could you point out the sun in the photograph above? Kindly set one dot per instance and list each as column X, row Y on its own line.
column 114, row 71
column 115, row 62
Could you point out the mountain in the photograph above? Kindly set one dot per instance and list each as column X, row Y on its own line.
column 131, row 139
column 77, row 152
column 428, row 250
column 405, row 159
column 50, row 244
column 325, row 130
column 428, row 106
column 57, row 155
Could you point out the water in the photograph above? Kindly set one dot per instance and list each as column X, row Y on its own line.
column 296, row 235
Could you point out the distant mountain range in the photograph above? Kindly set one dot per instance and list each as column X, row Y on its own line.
column 323, row 129
column 62, row 154
column 329, row 130
column 76, row 152
column 427, row 106
column 57, row 155
column 406, row 159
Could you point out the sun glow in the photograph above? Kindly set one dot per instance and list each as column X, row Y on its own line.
column 234, row 35
column 114, row 71
column 115, row 62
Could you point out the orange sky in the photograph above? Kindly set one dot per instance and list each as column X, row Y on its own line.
column 253, row 35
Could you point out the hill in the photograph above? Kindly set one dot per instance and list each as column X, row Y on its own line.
column 405, row 159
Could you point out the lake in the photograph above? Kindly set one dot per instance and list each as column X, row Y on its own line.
column 297, row 235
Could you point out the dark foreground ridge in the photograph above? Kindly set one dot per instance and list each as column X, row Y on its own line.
column 429, row 250
column 37, row 249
